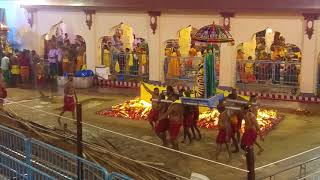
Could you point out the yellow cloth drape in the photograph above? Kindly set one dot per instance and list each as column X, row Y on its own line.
column 15, row 70
column 127, row 36
column 173, row 69
column 117, row 67
column 106, row 57
column 130, row 63
column 143, row 59
column 249, row 48
column 185, row 40
column 79, row 63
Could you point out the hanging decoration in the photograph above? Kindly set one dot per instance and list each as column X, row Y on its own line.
column 89, row 20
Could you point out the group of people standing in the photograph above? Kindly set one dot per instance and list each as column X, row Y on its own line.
column 230, row 125
column 64, row 56
column 20, row 66
column 167, row 115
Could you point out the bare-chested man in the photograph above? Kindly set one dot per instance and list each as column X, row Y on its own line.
column 251, row 131
column 162, row 125
column 224, row 133
column 194, row 127
column 254, row 109
column 154, row 113
column 187, row 120
column 170, row 93
column 70, row 99
column 175, row 115
column 235, row 118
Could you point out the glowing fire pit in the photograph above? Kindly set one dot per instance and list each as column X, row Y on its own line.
column 138, row 110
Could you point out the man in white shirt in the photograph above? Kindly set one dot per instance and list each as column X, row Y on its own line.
column 5, row 62
column 52, row 58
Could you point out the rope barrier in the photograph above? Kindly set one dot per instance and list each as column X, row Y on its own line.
column 139, row 140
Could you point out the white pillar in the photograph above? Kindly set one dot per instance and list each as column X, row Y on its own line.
column 308, row 76
column 227, row 66
column 227, row 77
column 154, row 52
column 91, row 50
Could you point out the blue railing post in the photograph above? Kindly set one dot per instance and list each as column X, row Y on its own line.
column 105, row 174
column 27, row 153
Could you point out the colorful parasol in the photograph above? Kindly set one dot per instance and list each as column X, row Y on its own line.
column 212, row 34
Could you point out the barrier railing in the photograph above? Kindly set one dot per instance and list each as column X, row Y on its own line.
column 299, row 170
column 12, row 168
column 265, row 72
column 304, row 165
column 12, row 143
column 50, row 161
column 127, row 64
column 61, row 164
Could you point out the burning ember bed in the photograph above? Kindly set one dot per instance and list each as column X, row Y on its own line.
column 138, row 110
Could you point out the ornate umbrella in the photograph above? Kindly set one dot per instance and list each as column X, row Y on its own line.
column 212, row 34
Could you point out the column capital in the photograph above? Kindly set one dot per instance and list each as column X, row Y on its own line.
column 309, row 19
column 226, row 19
column 153, row 20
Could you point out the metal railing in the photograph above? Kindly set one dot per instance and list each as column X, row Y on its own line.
column 53, row 162
column 305, row 170
column 260, row 72
column 12, row 143
column 12, row 168
column 127, row 64
column 63, row 165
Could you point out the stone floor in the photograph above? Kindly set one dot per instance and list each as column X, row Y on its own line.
column 295, row 134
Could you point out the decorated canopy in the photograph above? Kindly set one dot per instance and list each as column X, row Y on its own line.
column 212, row 34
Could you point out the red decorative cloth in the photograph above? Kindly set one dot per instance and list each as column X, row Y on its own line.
column 174, row 129
column 153, row 115
column 249, row 137
column 162, row 126
column 69, row 103
column 222, row 137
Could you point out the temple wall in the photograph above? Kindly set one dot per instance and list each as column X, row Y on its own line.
column 170, row 24
column 242, row 28
column 106, row 21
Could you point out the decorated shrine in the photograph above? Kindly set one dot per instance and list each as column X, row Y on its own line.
column 4, row 44
column 123, row 55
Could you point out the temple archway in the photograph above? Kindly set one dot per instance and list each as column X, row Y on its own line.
column 66, row 49
column 125, row 56
column 266, row 59
column 183, row 55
